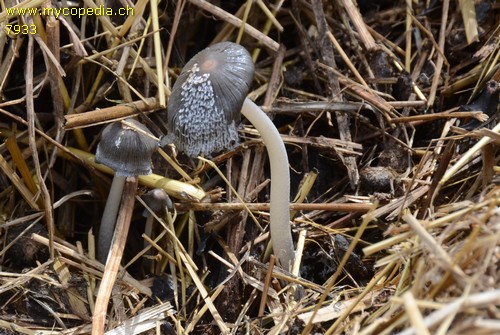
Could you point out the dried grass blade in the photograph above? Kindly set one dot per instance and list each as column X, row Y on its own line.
column 75, row 300
column 359, row 298
column 30, row 110
column 440, row 254
column 206, row 298
column 414, row 314
column 270, row 16
column 306, row 185
column 115, row 256
column 110, row 114
column 332, row 280
column 478, row 300
column 346, row 59
column 468, row 10
column 158, row 53
column 468, row 156
column 20, row 163
column 225, row 16
column 267, row 283
column 147, row 319
column 358, row 22
column 408, row 33
column 91, row 264
column 440, row 59
column 173, row 187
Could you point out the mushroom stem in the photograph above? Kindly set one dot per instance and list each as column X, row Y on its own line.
column 113, row 266
column 281, row 235
column 148, row 231
column 108, row 220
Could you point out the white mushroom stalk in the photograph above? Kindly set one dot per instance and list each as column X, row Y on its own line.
column 109, row 215
column 203, row 111
column 281, row 235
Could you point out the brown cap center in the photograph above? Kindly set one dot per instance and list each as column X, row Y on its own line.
column 209, row 65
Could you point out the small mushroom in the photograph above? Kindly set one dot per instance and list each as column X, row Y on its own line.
column 203, row 111
column 126, row 147
column 158, row 202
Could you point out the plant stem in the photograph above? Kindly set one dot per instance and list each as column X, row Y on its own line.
column 281, row 234
column 108, row 220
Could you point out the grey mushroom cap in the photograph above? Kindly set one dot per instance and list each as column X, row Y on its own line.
column 204, row 108
column 158, row 201
column 126, row 150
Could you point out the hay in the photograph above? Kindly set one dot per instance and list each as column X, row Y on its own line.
column 389, row 111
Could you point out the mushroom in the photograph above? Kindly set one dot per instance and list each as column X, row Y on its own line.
column 158, row 202
column 126, row 147
column 203, row 111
